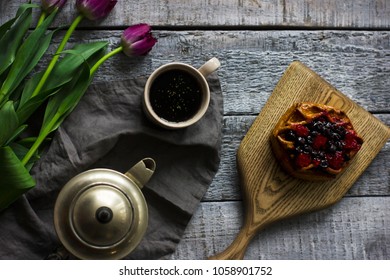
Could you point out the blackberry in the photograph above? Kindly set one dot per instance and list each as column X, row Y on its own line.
column 301, row 140
column 332, row 148
column 324, row 163
column 290, row 135
column 339, row 145
column 314, row 133
column 318, row 126
column 308, row 149
column 299, row 150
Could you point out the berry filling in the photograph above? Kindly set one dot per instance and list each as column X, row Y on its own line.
column 319, row 142
column 303, row 160
column 301, row 130
column 322, row 143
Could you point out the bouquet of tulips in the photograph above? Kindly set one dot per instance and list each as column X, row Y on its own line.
column 59, row 87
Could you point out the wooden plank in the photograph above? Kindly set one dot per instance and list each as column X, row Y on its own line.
column 252, row 63
column 226, row 185
column 356, row 63
column 232, row 13
column 355, row 228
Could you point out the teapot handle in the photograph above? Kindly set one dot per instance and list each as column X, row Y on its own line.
column 142, row 171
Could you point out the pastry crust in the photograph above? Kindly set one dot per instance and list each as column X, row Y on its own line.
column 314, row 141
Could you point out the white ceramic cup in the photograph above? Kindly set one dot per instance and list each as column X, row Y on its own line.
column 199, row 75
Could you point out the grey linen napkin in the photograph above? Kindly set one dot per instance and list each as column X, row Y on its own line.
column 109, row 129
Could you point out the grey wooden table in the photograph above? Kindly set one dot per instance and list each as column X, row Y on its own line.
column 346, row 42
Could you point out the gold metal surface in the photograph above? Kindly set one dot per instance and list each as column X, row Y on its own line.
column 102, row 214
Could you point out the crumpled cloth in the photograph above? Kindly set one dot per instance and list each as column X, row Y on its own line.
column 109, row 129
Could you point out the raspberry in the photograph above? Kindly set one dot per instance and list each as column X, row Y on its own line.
column 316, row 162
column 336, row 160
column 319, row 142
column 351, row 142
column 301, row 130
column 303, row 160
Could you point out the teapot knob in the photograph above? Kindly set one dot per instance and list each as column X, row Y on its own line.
column 142, row 171
column 104, row 214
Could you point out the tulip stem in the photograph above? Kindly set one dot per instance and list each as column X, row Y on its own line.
column 45, row 76
column 57, row 55
column 38, row 142
column 103, row 59
column 41, row 18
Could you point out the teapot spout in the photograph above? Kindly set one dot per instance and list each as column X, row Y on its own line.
column 142, row 171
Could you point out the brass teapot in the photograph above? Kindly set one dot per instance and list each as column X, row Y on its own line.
column 102, row 213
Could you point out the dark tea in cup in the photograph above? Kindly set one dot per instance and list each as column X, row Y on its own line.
column 175, row 95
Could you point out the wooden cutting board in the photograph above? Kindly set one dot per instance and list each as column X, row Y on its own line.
column 270, row 194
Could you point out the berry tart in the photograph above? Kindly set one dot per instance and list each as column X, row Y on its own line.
column 314, row 141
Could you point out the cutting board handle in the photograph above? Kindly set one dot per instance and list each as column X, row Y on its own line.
column 236, row 250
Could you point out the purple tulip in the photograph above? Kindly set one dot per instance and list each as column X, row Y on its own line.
column 50, row 5
column 137, row 40
column 95, row 9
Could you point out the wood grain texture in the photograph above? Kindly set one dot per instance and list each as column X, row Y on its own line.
column 270, row 194
column 356, row 63
column 235, row 13
column 354, row 228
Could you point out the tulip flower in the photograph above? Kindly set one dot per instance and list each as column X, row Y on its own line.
column 136, row 40
column 95, row 9
column 50, row 5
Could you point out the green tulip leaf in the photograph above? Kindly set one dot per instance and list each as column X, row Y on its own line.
column 15, row 179
column 63, row 73
column 12, row 39
column 28, row 55
column 21, row 149
column 28, row 108
column 4, row 28
column 29, row 87
column 62, row 104
column 59, row 107
column 9, row 122
column 7, row 25
column 16, row 133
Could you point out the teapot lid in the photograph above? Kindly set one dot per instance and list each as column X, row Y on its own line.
column 100, row 214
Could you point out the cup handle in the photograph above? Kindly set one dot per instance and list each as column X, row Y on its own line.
column 209, row 67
